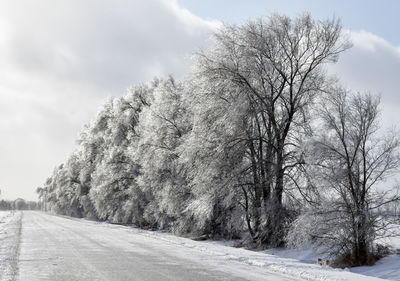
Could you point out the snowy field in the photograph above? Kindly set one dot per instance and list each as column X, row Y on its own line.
column 10, row 232
column 61, row 248
column 388, row 267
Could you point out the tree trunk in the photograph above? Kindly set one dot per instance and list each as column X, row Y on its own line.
column 360, row 253
column 257, row 190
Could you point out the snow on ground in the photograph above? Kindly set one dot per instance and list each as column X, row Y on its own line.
column 64, row 249
column 10, row 232
column 298, row 264
column 295, row 262
column 271, row 262
column 388, row 267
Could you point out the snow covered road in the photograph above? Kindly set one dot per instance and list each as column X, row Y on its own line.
column 57, row 249
column 66, row 249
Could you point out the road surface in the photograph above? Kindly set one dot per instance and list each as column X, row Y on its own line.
column 64, row 249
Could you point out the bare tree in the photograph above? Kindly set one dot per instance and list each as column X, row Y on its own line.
column 276, row 64
column 353, row 159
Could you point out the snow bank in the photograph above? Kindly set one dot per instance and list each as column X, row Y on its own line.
column 388, row 267
column 10, row 233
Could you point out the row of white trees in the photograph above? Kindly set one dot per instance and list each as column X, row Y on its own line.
column 257, row 139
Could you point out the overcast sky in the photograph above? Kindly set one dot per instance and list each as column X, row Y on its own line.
column 60, row 59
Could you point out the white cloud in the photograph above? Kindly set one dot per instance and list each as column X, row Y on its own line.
column 372, row 43
column 61, row 59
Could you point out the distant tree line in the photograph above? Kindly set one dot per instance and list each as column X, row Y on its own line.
column 18, row 204
column 258, row 140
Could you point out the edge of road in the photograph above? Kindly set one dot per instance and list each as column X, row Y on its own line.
column 14, row 231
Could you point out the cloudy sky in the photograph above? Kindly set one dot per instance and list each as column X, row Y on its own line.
column 60, row 59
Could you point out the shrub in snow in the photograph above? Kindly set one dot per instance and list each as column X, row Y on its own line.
column 301, row 231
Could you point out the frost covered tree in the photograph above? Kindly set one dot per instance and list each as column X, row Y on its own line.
column 91, row 145
column 60, row 192
column 224, row 151
column 51, row 188
column 350, row 162
column 212, row 159
column 114, row 191
column 275, row 67
column 162, row 127
column 67, row 186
